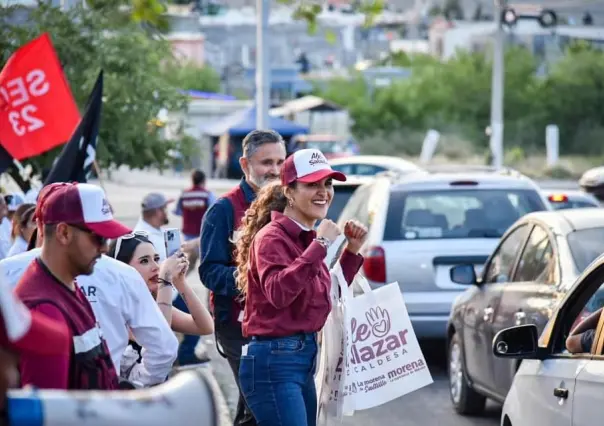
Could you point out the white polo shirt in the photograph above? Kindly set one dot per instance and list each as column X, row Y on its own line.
column 5, row 239
column 156, row 236
column 120, row 300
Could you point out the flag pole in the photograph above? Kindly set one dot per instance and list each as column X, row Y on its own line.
column 97, row 170
column 22, row 172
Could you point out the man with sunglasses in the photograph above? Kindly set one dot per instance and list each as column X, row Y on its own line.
column 77, row 222
column 121, row 303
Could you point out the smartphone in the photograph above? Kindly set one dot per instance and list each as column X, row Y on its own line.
column 172, row 240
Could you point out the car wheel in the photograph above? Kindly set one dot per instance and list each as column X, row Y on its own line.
column 465, row 399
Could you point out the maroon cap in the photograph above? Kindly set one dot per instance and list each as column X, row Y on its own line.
column 82, row 204
column 308, row 166
column 45, row 193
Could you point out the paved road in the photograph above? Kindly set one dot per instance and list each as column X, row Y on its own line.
column 428, row 406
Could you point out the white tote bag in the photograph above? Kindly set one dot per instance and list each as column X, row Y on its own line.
column 383, row 358
column 329, row 379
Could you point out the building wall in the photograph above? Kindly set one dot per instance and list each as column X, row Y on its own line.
column 189, row 49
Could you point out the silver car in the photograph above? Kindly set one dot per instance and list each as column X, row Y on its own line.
column 422, row 224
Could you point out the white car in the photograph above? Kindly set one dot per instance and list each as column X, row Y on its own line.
column 370, row 165
column 554, row 387
column 421, row 224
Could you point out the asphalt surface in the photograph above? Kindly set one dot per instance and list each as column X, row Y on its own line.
column 429, row 406
column 426, row 407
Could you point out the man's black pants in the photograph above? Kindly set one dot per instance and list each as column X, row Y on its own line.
column 229, row 341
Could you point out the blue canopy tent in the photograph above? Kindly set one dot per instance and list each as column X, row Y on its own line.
column 237, row 126
column 243, row 122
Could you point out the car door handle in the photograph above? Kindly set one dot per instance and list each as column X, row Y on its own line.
column 488, row 314
column 561, row 393
column 520, row 317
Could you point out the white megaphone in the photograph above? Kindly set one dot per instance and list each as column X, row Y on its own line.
column 191, row 397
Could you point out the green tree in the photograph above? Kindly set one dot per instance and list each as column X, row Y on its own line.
column 448, row 96
column 136, row 87
column 572, row 96
column 189, row 76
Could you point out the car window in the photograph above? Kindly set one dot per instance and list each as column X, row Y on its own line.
column 502, row 262
column 586, row 245
column 347, row 169
column 368, row 170
column 457, row 213
column 586, row 337
column 341, row 196
column 537, row 261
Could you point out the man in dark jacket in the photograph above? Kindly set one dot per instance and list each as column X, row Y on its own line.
column 263, row 156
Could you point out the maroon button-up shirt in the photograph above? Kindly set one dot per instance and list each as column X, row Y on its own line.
column 288, row 281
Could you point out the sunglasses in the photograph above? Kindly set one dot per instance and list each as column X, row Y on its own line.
column 134, row 234
column 101, row 241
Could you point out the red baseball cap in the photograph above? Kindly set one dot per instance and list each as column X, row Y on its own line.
column 22, row 330
column 82, row 204
column 45, row 193
column 308, row 166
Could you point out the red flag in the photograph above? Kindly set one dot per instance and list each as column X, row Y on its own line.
column 37, row 109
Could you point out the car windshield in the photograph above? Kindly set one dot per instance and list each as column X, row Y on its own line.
column 341, row 196
column 466, row 213
column 586, row 245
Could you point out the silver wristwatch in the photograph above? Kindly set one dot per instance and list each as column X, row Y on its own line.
column 324, row 242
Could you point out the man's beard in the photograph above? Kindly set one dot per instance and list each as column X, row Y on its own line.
column 81, row 268
column 262, row 181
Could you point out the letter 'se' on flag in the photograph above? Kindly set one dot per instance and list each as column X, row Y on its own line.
column 37, row 109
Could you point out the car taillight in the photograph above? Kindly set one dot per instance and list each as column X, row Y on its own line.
column 558, row 198
column 374, row 265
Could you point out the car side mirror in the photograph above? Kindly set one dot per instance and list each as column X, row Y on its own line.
column 520, row 342
column 463, row 274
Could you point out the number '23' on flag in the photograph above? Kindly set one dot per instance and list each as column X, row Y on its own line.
column 37, row 109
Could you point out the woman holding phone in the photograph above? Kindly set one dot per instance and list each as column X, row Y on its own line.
column 286, row 284
column 137, row 251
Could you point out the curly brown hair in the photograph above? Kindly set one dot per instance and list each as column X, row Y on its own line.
column 258, row 215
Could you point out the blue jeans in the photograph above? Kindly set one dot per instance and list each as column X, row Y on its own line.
column 277, row 380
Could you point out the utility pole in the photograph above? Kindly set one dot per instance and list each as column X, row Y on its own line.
column 263, row 85
column 497, row 84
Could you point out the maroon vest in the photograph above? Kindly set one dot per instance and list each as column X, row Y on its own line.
column 237, row 198
column 90, row 363
column 194, row 202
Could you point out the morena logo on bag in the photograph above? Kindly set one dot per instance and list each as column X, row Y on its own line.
column 385, row 344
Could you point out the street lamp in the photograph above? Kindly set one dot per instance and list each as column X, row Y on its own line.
column 262, row 64
column 507, row 16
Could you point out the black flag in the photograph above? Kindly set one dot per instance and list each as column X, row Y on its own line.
column 75, row 162
column 6, row 160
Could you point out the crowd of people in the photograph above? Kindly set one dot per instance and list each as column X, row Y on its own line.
column 88, row 303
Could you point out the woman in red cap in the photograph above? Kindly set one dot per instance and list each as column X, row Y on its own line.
column 286, row 284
